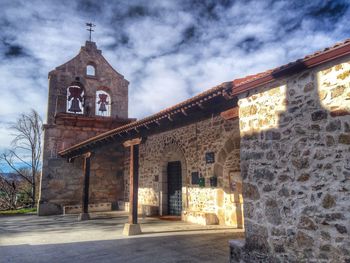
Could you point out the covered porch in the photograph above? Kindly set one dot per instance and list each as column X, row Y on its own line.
column 183, row 161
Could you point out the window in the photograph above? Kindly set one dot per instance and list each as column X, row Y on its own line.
column 90, row 70
column 103, row 103
column 75, row 99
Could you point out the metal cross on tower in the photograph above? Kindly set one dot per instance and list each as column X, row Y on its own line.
column 90, row 25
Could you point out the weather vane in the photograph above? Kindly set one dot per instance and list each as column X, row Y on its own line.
column 90, row 25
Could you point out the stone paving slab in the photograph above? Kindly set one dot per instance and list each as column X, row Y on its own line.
column 64, row 239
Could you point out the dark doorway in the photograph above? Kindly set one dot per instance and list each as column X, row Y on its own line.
column 174, row 188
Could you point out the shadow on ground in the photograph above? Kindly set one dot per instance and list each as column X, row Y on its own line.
column 64, row 239
column 13, row 225
column 183, row 248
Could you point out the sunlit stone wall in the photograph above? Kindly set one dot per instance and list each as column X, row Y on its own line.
column 334, row 88
column 261, row 111
column 295, row 165
column 188, row 144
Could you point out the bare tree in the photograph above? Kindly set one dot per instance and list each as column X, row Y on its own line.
column 25, row 155
column 8, row 192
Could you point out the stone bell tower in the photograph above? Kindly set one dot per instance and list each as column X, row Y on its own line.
column 86, row 97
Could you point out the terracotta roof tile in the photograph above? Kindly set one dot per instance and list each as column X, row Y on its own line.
column 250, row 78
column 250, row 81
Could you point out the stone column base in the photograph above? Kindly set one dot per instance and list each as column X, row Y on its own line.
column 46, row 209
column 131, row 229
column 83, row 216
column 236, row 249
column 240, row 253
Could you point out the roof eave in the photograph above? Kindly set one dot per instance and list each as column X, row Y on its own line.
column 292, row 68
column 216, row 91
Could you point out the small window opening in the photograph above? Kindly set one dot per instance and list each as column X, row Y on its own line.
column 90, row 70
column 103, row 103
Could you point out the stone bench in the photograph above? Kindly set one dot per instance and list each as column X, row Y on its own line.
column 123, row 206
column 144, row 210
column 76, row 209
column 199, row 217
column 150, row 210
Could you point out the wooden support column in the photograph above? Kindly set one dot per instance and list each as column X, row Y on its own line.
column 85, row 198
column 134, row 183
column 133, row 228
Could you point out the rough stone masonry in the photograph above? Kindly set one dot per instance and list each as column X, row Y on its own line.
column 295, row 165
column 61, row 182
column 205, row 205
column 283, row 162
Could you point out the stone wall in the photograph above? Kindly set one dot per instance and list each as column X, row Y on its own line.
column 61, row 182
column 107, row 175
column 106, row 78
column 295, row 164
column 189, row 144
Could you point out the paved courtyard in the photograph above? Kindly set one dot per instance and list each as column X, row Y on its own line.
column 64, row 239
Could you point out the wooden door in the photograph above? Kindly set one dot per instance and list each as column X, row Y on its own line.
column 174, row 188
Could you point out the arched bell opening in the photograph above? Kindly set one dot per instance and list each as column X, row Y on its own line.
column 103, row 103
column 75, row 98
column 91, row 70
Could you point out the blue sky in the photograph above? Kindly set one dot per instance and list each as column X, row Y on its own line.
column 168, row 50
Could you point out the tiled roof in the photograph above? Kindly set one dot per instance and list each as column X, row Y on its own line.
column 168, row 112
column 240, row 81
column 237, row 86
column 251, row 78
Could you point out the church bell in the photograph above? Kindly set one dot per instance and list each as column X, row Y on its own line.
column 74, row 107
column 75, row 97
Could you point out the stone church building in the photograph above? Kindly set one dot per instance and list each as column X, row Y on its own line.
column 269, row 153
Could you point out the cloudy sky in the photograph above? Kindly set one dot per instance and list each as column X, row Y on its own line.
column 168, row 50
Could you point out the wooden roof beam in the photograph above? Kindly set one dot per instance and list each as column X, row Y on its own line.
column 200, row 105
column 132, row 142
column 227, row 94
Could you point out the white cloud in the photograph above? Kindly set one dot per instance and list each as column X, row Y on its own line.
column 145, row 41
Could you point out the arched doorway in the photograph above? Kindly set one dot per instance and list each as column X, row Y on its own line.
column 230, row 203
column 174, row 188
